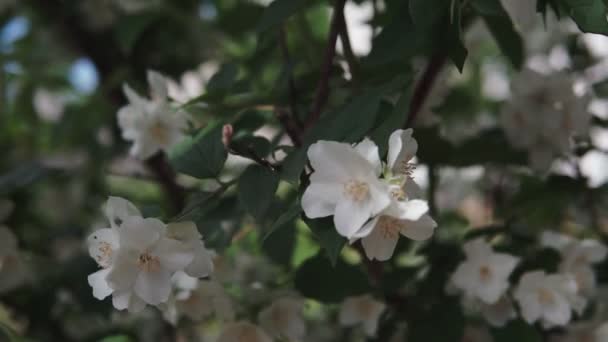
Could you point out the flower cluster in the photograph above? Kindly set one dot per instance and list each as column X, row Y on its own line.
column 369, row 200
column 151, row 124
column 483, row 280
column 543, row 114
column 139, row 256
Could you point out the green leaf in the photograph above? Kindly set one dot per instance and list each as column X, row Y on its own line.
column 224, row 79
column 278, row 11
column 256, row 189
column 291, row 214
column 516, row 330
column 456, row 49
column 500, row 25
column 589, row 15
column 317, row 279
column 201, row 156
column 280, row 241
column 325, row 232
column 427, row 13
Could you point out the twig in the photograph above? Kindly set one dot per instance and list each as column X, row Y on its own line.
column 165, row 176
column 423, row 88
column 349, row 55
column 322, row 93
column 292, row 131
column 247, row 152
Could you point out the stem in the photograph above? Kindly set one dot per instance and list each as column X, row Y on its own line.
column 424, row 87
column 249, row 153
column 293, row 92
column 322, row 93
column 292, row 130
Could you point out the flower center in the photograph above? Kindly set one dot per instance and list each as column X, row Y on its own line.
column 389, row 227
column 398, row 194
column 545, row 296
column 105, row 254
column 148, row 263
column 485, row 273
column 407, row 168
column 356, row 190
column 159, row 131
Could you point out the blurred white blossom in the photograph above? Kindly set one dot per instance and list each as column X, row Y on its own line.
column 243, row 332
column 283, row 319
column 362, row 310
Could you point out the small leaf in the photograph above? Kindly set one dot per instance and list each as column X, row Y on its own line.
column 201, row 156
column 256, row 189
column 325, row 232
column 319, row 280
column 291, row 214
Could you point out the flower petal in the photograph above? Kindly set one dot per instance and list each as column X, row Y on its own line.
column 319, row 199
column 139, row 234
column 153, row 287
column 369, row 150
column 419, row 230
column 401, row 149
column 117, row 209
column 379, row 246
column 99, row 284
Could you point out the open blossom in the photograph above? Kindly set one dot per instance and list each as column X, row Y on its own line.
column 345, row 185
column 546, row 298
column 484, row 275
column 363, row 310
column 151, row 124
column 137, row 257
column 406, row 215
column 186, row 232
column 543, row 114
column 283, row 319
column 578, row 257
column 497, row 314
column 243, row 332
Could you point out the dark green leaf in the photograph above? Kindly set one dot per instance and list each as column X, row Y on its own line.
column 130, row 28
column 256, row 189
column 589, row 15
column 444, row 322
column 280, row 244
column 201, row 156
column 291, row 214
column 325, row 232
column 318, row 279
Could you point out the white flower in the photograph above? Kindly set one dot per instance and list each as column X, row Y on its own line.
column 577, row 259
column 344, row 185
column 543, row 114
column 147, row 259
column 546, row 298
column 363, row 310
column 243, row 332
column 152, row 125
column 186, row 232
column 138, row 257
column 283, row 319
column 484, row 274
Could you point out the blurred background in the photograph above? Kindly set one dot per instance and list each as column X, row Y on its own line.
column 62, row 67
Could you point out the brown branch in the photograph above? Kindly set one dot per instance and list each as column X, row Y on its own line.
column 424, row 87
column 291, row 129
column 322, row 93
column 165, row 176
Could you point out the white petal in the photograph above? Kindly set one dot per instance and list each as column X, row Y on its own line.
column 103, row 244
column 477, row 249
column 124, row 271
column 336, row 162
column 319, row 199
column 401, row 149
column 183, row 231
column 365, row 230
column 120, row 300
column 379, row 246
column 136, row 304
column 419, row 230
column 412, row 210
column 117, row 209
column 132, row 96
column 99, row 284
column 202, row 265
column 158, row 85
column 174, row 255
column 153, row 287
column 369, row 150
column 350, row 217
column 140, row 234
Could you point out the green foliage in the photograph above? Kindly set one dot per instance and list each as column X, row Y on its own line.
column 201, row 156
column 517, row 330
column 589, row 15
column 257, row 186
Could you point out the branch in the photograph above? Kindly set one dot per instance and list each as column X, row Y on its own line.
column 249, row 153
column 424, row 87
column 349, row 55
column 293, row 92
column 322, row 93
column 292, row 130
column 165, row 176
